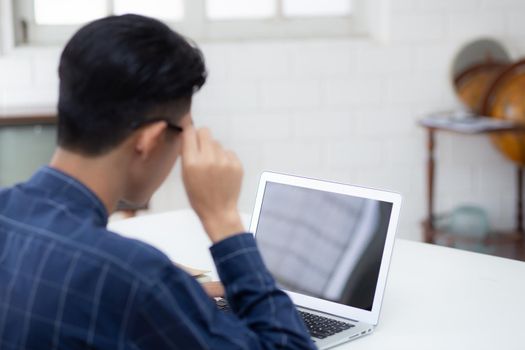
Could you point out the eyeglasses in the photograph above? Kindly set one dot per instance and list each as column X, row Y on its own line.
column 170, row 125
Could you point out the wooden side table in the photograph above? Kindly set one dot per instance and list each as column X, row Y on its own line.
column 509, row 244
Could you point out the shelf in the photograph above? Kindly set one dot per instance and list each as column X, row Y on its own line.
column 28, row 120
column 471, row 125
column 509, row 244
column 506, row 244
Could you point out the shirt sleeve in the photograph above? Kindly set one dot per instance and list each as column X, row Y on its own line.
column 176, row 313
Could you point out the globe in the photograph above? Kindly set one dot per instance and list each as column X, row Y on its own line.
column 506, row 100
column 473, row 83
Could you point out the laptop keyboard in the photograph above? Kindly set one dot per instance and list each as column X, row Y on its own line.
column 318, row 326
column 322, row 327
column 222, row 304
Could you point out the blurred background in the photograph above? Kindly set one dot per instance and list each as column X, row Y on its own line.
column 331, row 89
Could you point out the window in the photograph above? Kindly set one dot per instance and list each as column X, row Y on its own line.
column 240, row 9
column 311, row 8
column 53, row 21
column 67, row 12
column 70, row 12
column 169, row 10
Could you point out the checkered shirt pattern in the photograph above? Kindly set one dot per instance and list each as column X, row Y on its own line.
column 66, row 282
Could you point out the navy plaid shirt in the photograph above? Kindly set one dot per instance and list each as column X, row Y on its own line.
column 66, row 282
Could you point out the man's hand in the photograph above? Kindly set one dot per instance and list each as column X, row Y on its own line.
column 212, row 177
column 213, row 289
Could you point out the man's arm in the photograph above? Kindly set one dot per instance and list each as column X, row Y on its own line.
column 178, row 313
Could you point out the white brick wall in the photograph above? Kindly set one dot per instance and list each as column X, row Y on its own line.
column 341, row 109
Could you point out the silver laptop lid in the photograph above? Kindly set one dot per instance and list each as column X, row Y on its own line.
column 327, row 244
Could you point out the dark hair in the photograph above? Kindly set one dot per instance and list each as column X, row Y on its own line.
column 114, row 72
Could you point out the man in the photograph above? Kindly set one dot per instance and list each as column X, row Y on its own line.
column 126, row 85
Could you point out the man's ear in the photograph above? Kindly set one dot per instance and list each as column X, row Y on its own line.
column 149, row 138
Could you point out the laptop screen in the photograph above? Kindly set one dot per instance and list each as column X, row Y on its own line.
column 323, row 244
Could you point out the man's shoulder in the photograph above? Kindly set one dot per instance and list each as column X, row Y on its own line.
column 96, row 247
column 137, row 258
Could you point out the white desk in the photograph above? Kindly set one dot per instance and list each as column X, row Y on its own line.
column 436, row 298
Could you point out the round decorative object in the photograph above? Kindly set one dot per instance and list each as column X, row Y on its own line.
column 506, row 100
column 475, row 68
column 472, row 84
column 466, row 220
column 469, row 221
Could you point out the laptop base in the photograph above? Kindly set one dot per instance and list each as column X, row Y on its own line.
column 359, row 329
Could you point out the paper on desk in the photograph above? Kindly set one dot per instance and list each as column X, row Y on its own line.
column 200, row 275
column 192, row 271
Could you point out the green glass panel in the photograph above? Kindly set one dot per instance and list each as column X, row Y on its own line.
column 24, row 149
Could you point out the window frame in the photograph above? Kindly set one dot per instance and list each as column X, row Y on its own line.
column 196, row 26
column 7, row 35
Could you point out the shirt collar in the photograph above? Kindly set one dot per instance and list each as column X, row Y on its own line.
column 69, row 191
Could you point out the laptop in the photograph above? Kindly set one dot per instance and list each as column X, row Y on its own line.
column 328, row 245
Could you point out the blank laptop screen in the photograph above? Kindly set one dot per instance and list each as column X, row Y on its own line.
column 323, row 244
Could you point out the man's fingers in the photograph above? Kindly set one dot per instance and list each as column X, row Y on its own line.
column 212, row 178
column 198, row 142
column 205, row 140
column 190, row 146
column 219, row 151
column 233, row 159
column 232, row 156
